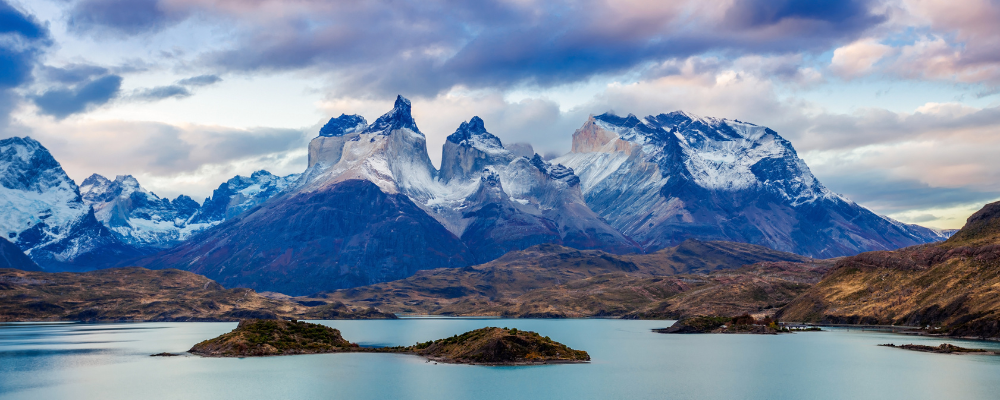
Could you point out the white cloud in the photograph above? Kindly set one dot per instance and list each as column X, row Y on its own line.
column 858, row 58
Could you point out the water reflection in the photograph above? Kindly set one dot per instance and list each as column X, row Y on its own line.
column 111, row 361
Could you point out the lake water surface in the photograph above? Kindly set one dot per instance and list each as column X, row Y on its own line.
column 111, row 361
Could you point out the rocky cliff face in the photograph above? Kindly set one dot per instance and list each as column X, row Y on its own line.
column 12, row 257
column 371, row 207
column 665, row 178
column 345, row 223
column 534, row 202
column 494, row 224
column 43, row 213
column 148, row 222
column 346, row 235
column 137, row 216
column 240, row 194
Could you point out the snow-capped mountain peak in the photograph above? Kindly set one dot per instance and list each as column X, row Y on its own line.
column 399, row 118
column 471, row 149
column 41, row 202
column 390, row 152
column 473, row 134
column 42, row 211
column 716, row 154
column 665, row 177
column 343, row 125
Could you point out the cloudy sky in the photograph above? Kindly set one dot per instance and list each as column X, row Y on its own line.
column 895, row 104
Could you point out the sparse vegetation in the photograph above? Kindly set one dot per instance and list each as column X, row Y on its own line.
column 139, row 294
column 745, row 323
column 948, row 288
column 550, row 281
column 944, row 348
column 274, row 337
column 494, row 346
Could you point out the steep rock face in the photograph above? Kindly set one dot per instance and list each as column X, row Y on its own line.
column 390, row 152
column 43, row 213
column 470, row 149
column 327, row 147
column 137, row 216
column 536, row 202
column 12, row 257
column 350, row 234
column 345, row 222
column 497, row 225
column 665, row 178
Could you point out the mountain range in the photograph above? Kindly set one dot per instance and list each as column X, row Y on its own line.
column 371, row 207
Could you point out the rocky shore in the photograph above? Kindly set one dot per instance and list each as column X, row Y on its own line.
column 944, row 348
column 744, row 324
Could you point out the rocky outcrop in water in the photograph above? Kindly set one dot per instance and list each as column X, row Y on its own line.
column 486, row 346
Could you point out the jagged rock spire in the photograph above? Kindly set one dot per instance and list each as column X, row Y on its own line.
column 398, row 118
column 473, row 133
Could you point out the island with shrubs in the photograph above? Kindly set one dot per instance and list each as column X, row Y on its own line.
column 944, row 348
column 485, row 346
column 745, row 323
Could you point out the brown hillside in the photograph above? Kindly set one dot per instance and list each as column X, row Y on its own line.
column 954, row 285
column 139, row 294
column 556, row 281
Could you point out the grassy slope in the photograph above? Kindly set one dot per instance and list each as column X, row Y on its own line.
column 142, row 294
column 555, row 281
column 954, row 284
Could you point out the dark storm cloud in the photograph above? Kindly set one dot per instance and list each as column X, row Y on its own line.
column 877, row 190
column 879, row 126
column 22, row 41
column 383, row 47
column 200, row 80
column 124, row 17
column 841, row 14
column 64, row 101
column 72, row 73
column 161, row 92
column 14, row 21
column 255, row 142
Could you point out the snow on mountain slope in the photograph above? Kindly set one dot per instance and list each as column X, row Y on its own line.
column 240, row 194
column 344, row 222
column 391, row 153
column 371, row 207
column 542, row 200
column 144, row 220
column 43, row 213
column 137, row 216
column 664, row 178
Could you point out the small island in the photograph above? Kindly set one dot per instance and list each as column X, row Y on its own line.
column 944, row 348
column 485, row 346
column 258, row 337
column 499, row 346
column 745, row 324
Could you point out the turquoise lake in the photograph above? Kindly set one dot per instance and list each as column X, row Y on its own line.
column 111, row 361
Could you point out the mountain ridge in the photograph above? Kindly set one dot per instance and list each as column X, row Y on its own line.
column 949, row 287
column 664, row 178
